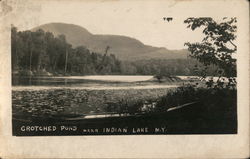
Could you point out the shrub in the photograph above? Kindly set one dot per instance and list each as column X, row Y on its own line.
column 211, row 97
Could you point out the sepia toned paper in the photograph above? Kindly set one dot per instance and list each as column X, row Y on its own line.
column 158, row 24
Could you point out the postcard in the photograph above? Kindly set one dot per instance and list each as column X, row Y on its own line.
column 130, row 79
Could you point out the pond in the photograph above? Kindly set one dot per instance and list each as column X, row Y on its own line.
column 64, row 80
column 46, row 96
column 88, row 82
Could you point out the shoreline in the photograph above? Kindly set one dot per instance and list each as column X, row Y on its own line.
column 34, row 88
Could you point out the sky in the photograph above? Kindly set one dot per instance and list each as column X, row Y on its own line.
column 142, row 20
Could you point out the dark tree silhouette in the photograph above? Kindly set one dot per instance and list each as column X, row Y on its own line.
column 217, row 47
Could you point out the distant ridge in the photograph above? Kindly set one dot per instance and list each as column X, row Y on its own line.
column 125, row 48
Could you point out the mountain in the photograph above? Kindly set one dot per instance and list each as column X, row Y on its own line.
column 125, row 48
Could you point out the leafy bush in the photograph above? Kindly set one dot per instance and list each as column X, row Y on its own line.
column 211, row 97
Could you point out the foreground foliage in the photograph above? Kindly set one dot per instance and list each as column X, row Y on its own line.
column 217, row 47
column 211, row 98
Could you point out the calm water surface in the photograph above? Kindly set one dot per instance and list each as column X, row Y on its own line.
column 87, row 82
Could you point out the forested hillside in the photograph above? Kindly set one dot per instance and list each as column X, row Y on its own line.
column 170, row 67
column 42, row 53
column 123, row 47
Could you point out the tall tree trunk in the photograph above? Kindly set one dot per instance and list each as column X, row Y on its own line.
column 54, row 66
column 66, row 61
column 30, row 58
column 16, row 62
column 100, row 67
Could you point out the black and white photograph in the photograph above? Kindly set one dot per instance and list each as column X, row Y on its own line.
column 124, row 79
column 178, row 77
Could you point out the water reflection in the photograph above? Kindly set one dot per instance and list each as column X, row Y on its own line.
column 85, row 82
column 50, row 81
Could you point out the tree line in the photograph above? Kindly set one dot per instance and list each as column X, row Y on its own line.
column 169, row 67
column 39, row 52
